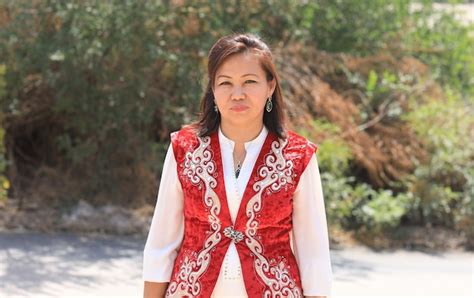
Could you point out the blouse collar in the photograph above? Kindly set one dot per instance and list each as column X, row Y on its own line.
column 255, row 142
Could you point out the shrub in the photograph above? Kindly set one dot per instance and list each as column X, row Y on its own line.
column 4, row 183
column 445, row 186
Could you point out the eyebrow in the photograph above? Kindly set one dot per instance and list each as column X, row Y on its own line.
column 247, row 74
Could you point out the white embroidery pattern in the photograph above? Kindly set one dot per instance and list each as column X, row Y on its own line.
column 199, row 169
column 276, row 173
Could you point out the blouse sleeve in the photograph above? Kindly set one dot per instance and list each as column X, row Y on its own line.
column 167, row 226
column 310, row 233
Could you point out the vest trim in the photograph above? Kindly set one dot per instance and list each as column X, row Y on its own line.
column 200, row 168
column 275, row 174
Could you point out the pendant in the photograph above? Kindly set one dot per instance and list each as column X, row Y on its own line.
column 237, row 172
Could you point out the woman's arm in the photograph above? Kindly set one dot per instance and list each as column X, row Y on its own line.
column 310, row 233
column 166, row 231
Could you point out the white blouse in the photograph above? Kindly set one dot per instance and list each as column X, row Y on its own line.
column 309, row 237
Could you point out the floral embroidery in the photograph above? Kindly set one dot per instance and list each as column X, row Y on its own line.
column 276, row 174
column 199, row 169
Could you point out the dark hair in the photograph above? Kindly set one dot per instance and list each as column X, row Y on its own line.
column 229, row 45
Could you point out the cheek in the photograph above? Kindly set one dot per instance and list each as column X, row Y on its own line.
column 258, row 91
column 221, row 93
column 261, row 103
column 259, row 95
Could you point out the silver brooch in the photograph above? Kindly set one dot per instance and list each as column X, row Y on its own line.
column 233, row 234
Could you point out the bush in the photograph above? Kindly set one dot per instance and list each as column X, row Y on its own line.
column 333, row 154
column 380, row 210
column 4, row 183
column 86, row 73
column 358, row 206
column 358, row 27
column 95, row 87
column 444, row 188
column 443, row 42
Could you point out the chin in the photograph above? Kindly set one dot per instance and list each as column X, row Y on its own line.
column 245, row 123
column 237, row 119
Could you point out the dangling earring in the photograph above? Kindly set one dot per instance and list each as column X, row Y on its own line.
column 269, row 104
column 216, row 109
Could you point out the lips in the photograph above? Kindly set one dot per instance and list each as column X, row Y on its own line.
column 239, row 108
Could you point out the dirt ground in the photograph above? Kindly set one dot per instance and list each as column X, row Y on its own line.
column 124, row 222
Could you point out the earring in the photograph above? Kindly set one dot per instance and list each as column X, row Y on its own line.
column 216, row 109
column 269, row 105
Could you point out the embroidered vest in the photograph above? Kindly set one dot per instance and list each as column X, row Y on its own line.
column 263, row 223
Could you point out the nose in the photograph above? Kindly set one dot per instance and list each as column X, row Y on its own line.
column 238, row 93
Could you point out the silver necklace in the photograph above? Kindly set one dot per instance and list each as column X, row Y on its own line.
column 239, row 166
column 239, row 161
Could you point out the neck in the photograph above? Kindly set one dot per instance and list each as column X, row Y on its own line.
column 241, row 134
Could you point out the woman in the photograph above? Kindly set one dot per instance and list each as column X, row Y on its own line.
column 240, row 209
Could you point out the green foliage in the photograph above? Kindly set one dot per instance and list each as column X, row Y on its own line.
column 334, row 156
column 359, row 27
column 339, row 198
column 333, row 153
column 436, row 37
column 434, row 203
column 4, row 183
column 350, row 204
column 379, row 91
column 353, row 206
column 445, row 187
column 446, row 44
column 3, row 84
column 96, row 58
column 447, row 125
column 122, row 74
column 382, row 211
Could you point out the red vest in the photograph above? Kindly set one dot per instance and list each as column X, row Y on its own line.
column 263, row 223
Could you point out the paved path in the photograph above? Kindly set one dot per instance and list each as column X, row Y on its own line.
column 59, row 265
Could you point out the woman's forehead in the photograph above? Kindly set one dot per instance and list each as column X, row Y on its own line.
column 238, row 65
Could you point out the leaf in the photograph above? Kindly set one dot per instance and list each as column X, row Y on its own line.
column 371, row 81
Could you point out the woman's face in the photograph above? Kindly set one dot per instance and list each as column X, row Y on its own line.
column 241, row 89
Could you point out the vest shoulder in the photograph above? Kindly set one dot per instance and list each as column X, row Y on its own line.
column 295, row 139
column 184, row 140
column 185, row 133
column 301, row 147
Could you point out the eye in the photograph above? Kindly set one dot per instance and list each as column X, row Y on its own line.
column 224, row 83
column 250, row 81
